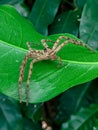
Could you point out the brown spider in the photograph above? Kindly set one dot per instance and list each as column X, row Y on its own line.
column 38, row 55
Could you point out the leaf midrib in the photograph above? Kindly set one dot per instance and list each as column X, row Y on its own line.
column 13, row 46
column 67, row 61
column 80, row 62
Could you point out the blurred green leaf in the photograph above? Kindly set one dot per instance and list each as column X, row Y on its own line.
column 9, row 1
column 89, row 23
column 83, row 120
column 22, row 9
column 75, row 98
column 10, row 115
column 33, row 111
column 80, row 3
column 43, row 13
column 29, row 125
column 95, row 127
column 66, row 22
column 93, row 91
column 79, row 64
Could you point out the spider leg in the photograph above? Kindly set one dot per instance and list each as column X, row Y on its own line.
column 37, row 52
column 21, row 76
column 28, row 80
column 28, row 45
column 55, row 43
column 34, row 51
column 34, row 44
column 59, row 47
column 43, row 41
column 72, row 41
column 58, row 41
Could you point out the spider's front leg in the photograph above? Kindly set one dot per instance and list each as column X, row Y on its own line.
column 21, row 76
column 73, row 42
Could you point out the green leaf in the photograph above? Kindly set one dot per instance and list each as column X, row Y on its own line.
column 10, row 115
column 80, row 3
column 43, row 13
column 96, row 124
column 22, row 9
column 79, row 64
column 93, row 91
column 33, row 111
column 83, row 120
column 29, row 125
column 17, row 29
column 9, row 1
column 89, row 23
column 66, row 22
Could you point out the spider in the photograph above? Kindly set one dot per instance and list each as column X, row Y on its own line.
column 39, row 55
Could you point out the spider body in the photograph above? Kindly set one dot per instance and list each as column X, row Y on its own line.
column 39, row 55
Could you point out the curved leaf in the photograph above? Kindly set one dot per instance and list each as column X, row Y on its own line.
column 66, row 22
column 76, row 98
column 43, row 13
column 10, row 115
column 17, row 29
column 89, row 23
column 79, row 64
column 29, row 125
column 80, row 3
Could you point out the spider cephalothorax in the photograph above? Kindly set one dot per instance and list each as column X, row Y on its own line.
column 46, row 54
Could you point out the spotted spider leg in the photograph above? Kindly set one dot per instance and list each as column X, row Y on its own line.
column 36, row 54
column 34, row 51
column 21, row 77
column 30, row 54
column 38, row 58
column 57, row 47
column 52, row 50
column 68, row 40
column 72, row 41
column 44, row 42
column 57, row 42
column 28, row 79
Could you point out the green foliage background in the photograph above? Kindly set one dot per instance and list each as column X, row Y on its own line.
column 74, row 109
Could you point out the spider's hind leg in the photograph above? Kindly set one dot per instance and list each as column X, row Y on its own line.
column 21, row 76
column 28, row 80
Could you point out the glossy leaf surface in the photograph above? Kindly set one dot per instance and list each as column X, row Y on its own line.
column 10, row 115
column 43, row 13
column 66, row 22
column 89, row 23
column 79, row 65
